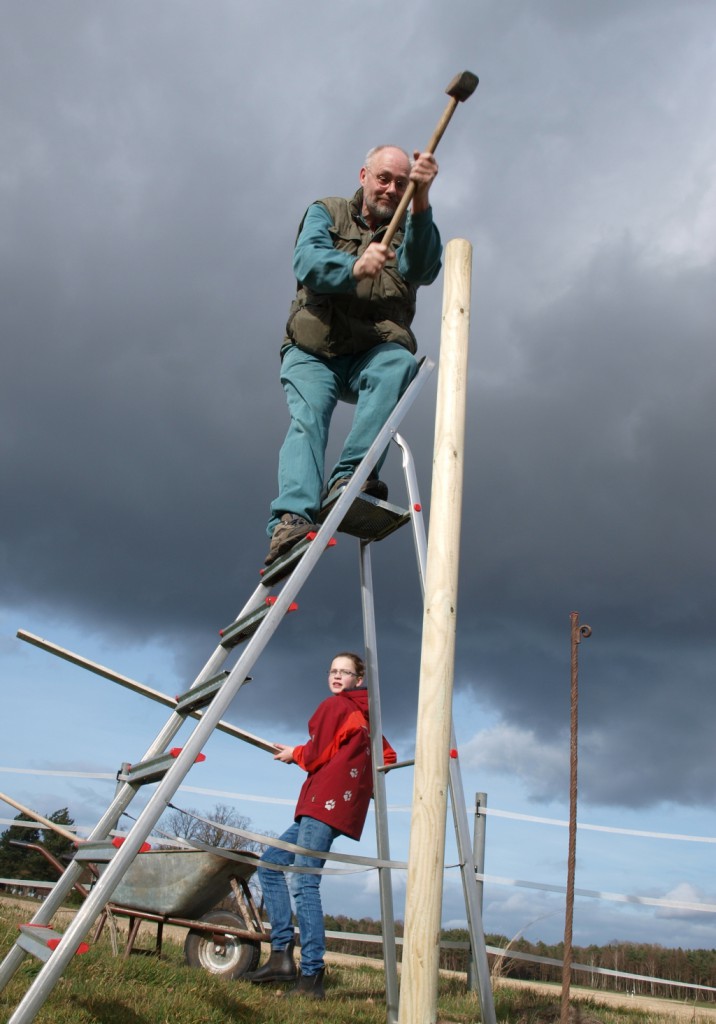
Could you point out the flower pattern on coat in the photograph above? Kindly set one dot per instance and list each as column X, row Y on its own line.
column 330, row 804
column 348, row 795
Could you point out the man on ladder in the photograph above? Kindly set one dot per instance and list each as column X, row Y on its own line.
column 348, row 334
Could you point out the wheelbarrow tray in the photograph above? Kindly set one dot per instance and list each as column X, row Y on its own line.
column 178, row 883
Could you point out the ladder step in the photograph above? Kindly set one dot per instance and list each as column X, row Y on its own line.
column 285, row 565
column 154, row 768
column 243, row 628
column 100, row 851
column 201, row 695
column 368, row 518
column 40, row 940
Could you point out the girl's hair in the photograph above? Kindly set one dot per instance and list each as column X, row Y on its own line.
column 358, row 663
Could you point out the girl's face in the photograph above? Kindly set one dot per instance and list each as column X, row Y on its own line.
column 342, row 675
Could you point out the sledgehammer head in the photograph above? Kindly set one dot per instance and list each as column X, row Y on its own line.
column 462, row 86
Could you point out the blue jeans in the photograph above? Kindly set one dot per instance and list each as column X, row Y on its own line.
column 313, row 835
column 373, row 381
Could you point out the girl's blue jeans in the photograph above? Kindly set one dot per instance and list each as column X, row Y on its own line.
column 314, row 835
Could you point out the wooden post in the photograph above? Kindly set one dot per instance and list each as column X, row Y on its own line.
column 576, row 634
column 423, row 911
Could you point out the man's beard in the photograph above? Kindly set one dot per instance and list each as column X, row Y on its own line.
column 381, row 209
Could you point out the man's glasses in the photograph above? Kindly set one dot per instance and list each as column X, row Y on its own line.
column 385, row 179
column 341, row 672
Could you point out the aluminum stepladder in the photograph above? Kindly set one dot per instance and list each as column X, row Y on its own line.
column 212, row 692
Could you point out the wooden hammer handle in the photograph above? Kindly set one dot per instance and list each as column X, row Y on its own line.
column 410, row 190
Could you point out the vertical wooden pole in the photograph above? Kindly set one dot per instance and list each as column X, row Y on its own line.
column 576, row 634
column 421, row 947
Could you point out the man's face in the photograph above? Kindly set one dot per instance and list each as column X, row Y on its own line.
column 342, row 675
column 384, row 181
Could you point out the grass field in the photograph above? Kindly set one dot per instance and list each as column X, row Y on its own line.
column 100, row 988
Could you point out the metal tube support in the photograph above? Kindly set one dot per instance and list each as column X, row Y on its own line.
column 385, row 885
column 478, row 853
column 478, row 845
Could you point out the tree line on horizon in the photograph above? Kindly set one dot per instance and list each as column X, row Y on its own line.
column 688, row 966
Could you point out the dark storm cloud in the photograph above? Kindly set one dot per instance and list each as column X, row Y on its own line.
column 598, row 496
column 158, row 163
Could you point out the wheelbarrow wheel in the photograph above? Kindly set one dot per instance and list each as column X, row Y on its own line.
column 231, row 957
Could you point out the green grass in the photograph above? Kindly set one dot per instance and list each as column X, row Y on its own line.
column 100, row 988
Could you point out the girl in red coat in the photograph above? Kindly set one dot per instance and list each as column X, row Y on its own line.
column 333, row 801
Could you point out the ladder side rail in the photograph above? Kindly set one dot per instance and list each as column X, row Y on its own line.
column 101, row 893
column 54, row 901
column 117, row 867
column 385, row 882
column 417, row 521
column 470, row 889
column 457, row 796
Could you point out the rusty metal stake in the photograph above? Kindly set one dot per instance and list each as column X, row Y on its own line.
column 577, row 632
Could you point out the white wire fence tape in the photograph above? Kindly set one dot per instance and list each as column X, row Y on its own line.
column 533, row 958
column 509, row 954
column 36, row 825
column 360, row 863
column 597, row 828
column 60, row 773
column 614, row 897
column 398, row 808
column 368, row 863
column 27, row 883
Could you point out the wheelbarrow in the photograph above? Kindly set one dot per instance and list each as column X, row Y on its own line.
column 180, row 888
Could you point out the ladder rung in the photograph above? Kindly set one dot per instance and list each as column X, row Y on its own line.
column 285, row 565
column 154, row 768
column 40, row 940
column 99, row 851
column 201, row 695
column 396, row 764
column 243, row 628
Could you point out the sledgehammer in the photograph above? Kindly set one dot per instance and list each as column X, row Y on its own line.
column 461, row 87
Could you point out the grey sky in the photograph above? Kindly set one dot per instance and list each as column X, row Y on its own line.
column 157, row 159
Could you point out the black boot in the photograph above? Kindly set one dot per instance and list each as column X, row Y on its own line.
column 278, row 967
column 309, row 985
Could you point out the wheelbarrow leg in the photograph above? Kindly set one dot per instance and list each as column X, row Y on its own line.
column 100, row 926
column 134, row 923
column 160, row 932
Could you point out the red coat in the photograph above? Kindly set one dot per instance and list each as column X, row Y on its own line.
column 337, row 758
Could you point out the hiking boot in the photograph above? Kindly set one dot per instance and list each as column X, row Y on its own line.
column 373, row 486
column 289, row 531
column 278, row 967
column 310, row 986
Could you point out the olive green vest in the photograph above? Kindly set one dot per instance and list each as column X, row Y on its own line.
column 378, row 310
